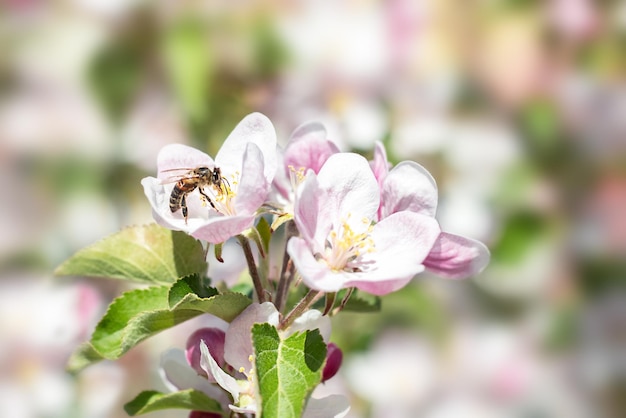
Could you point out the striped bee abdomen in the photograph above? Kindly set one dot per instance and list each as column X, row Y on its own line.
column 182, row 188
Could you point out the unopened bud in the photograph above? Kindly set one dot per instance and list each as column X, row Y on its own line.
column 214, row 339
column 202, row 414
column 334, row 356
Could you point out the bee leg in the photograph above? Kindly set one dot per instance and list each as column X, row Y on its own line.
column 183, row 205
column 207, row 198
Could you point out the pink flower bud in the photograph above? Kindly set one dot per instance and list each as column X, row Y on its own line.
column 202, row 414
column 214, row 339
column 334, row 356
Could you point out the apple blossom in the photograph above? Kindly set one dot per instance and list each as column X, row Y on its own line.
column 340, row 246
column 409, row 187
column 247, row 161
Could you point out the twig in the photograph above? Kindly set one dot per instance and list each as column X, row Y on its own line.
column 256, row 280
column 306, row 302
column 286, row 272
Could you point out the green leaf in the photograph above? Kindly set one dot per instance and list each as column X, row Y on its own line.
column 195, row 284
column 146, row 254
column 117, row 322
column 288, row 370
column 82, row 357
column 226, row 305
column 362, row 302
column 265, row 232
column 150, row 401
column 141, row 313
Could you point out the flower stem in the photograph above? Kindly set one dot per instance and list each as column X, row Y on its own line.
column 286, row 273
column 256, row 280
column 308, row 300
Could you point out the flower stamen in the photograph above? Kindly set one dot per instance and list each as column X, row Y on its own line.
column 223, row 194
column 345, row 246
column 296, row 176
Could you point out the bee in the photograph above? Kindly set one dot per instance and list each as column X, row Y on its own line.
column 196, row 178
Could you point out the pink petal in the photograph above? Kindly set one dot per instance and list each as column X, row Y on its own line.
column 308, row 131
column 219, row 229
column 309, row 148
column 210, row 366
column 183, row 157
column 238, row 345
column 315, row 274
column 254, row 128
column 402, row 242
column 306, row 207
column 281, row 183
column 380, row 288
column 253, row 187
column 350, row 187
column 457, row 257
column 379, row 164
column 408, row 186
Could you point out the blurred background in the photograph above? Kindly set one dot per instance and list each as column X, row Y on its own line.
column 517, row 107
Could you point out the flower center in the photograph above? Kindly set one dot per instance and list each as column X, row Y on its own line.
column 222, row 195
column 296, row 176
column 247, row 387
column 345, row 246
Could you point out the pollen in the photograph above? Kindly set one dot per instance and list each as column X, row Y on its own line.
column 223, row 194
column 296, row 176
column 345, row 246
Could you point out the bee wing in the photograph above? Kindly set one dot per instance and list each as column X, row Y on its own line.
column 188, row 172
column 177, row 169
column 170, row 180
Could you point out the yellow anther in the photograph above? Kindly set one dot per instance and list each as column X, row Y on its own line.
column 344, row 246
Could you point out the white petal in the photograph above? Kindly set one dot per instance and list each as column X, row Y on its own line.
column 316, row 275
column 253, row 188
column 238, row 344
column 351, row 188
column 254, row 128
column 409, row 186
column 310, row 320
column 159, row 199
column 335, row 406
column 401, row 243
column 180, row 158
column 209, row 365
column 177, row 374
